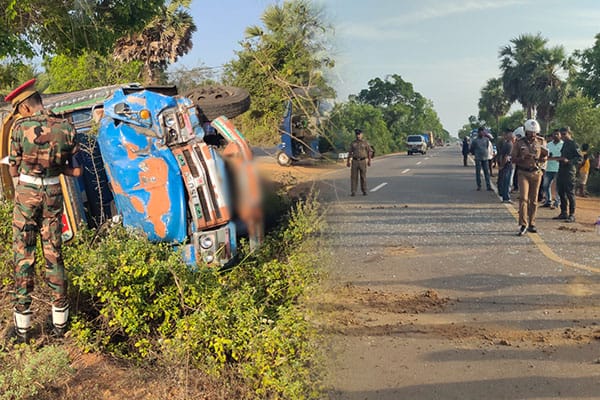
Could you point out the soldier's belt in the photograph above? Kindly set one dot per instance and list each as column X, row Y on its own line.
column 34, row 180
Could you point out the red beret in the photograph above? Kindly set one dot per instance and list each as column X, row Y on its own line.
column 21, row 93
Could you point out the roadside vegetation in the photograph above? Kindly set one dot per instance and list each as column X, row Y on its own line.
column 244, row 330
column 550, row 85
column 288, row 57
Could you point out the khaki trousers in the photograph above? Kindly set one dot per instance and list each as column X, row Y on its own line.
column 358, row 169
column 529, row 186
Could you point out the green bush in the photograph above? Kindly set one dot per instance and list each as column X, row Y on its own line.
column 26, row 371
column 6, row 254
column 138, row 300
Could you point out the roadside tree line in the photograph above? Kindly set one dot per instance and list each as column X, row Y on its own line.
column 88, row 44
column 555, row 88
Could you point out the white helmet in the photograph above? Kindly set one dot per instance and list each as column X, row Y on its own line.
column 519, row 132
column 531, row 125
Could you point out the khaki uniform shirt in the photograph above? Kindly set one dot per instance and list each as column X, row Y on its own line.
column 359, row 150
column 530, row 155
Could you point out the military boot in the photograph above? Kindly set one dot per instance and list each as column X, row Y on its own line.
column 60, row 317
column 23, row 324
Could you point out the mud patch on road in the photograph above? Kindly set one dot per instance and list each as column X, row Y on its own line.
column 400, row 250
column 427, row 301
column 573, row 229
column 357, row 311
column 351, row 306
column 404, row 303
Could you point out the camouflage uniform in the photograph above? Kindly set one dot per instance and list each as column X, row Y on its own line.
column 41, row 147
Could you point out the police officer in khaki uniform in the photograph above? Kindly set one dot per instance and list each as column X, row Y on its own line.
column 529, row 153
column 359, row 156
column 42, row 147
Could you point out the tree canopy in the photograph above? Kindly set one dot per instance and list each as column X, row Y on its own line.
column 161, row 42
column 43, row 27
column 531, row 75
column 493, row 103
column 289, row 52
column 351, row 115
column 90, row 69
column 86, row 43
column 404, row 110
column 588, row 77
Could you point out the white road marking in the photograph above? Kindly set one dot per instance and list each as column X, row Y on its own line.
column 405, row 171
column 419, row 162
column 376, row 188
column 427, row 158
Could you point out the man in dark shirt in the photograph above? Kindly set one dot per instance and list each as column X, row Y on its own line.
column 465, row 150
column 569, row 160
column 505, row 166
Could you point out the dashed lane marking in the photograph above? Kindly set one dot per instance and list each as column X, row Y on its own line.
column 419, row 162
column 405, row 171
column 376, row 188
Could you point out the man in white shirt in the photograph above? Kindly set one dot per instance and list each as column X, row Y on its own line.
column 549, row 182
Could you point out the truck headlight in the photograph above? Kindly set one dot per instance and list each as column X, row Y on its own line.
column 208, row 258
column 206, row 242
column 170, row 120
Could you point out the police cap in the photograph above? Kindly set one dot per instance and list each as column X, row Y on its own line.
column 21, row 93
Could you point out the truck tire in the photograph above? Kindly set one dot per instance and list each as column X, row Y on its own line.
column 215, row 101
column 283, row 159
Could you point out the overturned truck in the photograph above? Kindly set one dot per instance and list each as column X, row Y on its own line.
column 174, row 167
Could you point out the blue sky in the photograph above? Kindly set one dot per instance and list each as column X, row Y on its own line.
column 447, row 49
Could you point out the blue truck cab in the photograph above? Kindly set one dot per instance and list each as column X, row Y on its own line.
column 298, row 138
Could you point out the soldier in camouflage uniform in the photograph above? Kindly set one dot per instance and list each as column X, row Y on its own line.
column 359, row 155
column 42, row 147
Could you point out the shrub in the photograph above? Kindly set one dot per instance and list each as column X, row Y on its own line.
column 27, row 371
column 138, row 300
column 6, row 254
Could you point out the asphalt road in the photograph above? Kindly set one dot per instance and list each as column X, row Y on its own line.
column 437, row 298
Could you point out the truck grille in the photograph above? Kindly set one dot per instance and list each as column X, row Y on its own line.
column 206, row 194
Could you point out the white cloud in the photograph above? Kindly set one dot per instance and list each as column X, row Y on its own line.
column 373, row 33
column 401, row 27
column 435, row 10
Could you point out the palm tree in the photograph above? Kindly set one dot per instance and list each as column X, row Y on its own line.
column 551, row 88
column 166, row 38
column 531, row 75
column 493, row 100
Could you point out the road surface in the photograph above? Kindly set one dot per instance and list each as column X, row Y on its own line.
column 433, row 296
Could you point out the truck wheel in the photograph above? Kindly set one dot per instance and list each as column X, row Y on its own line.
column 215, row 101
column 283, row 159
